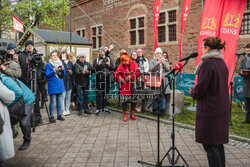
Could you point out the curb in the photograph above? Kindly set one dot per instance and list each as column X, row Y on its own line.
column 233, row 137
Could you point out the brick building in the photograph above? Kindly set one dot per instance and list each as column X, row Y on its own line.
column 130, row 24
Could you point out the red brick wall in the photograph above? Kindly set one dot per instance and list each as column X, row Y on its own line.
column 115, row 26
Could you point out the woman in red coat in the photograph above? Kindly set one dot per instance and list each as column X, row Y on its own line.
column 211, row 93
column 126, row 73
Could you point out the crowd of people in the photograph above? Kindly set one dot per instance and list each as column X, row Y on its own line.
column 67, row 81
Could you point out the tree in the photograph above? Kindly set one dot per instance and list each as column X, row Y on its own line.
column 42, row 13
column 5, row 16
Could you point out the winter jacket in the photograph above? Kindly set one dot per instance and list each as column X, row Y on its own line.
column 124, row 71
column 19, row 92
column 55, row 85
column 12, row 69
column 103, row 71
column 213, row 108
column 145, row 64
column 82, row 79
column 7, row 150
column 246, row 78
column 68, row 78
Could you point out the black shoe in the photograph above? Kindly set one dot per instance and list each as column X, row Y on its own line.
column 25, row 145
column 79, row 114
column 97, row 112
column 106, row 110
column 163, row 113
column 59, row 117
column 87, row 111
column 52, row 120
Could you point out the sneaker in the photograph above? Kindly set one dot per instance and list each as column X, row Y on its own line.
column 87, row 111
column 79, row 114
column 97, row 112
column 52, row 120
column 68, row 112
column 106, row 110
column 59, row 117
column 25, row 145
column 65, row 113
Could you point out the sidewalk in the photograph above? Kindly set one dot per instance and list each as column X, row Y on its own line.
column 106, row 141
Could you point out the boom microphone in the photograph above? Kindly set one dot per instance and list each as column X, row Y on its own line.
column 177, row 66
column 193, row 55
column 239, row 54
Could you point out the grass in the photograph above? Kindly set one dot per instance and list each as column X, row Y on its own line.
column 188, row 117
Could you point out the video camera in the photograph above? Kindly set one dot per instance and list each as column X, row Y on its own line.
column 5, row 56
column 35, row 60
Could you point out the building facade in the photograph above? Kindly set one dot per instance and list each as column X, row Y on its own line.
column 129, row 24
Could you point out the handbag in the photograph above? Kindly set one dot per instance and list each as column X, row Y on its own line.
column 17, row 109
column 153, row 79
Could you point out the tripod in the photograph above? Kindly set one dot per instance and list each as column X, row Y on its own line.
column 172, row 159
column 36, row 92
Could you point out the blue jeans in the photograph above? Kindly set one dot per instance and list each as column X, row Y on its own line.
column 59, row 101
column 162, row 104
column 79, row 91
column 25, row 122
column 67, row 99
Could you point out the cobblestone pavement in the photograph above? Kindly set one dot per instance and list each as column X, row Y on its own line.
column 106, row 141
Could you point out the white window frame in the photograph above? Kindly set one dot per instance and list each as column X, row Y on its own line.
column 97, row 35
column 167, row 24
column 80, row 29
column 137, row 30
column 245, row 35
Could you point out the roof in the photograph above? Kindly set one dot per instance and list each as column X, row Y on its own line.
column 56, row 37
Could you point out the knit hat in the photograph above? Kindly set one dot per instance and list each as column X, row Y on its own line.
column 158, row 50
column 10, row 46
column 139, row 50
column 248, row 45
column 29, row 42
column 81, row 54
column 102, row 48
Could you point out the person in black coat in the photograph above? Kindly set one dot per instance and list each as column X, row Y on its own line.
column 245, row 72
column 82, row 71
column 213, row 108
column 103, row 67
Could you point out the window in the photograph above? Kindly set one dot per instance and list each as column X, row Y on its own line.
column 97, row 36
column 81, row 32
column 136, row 31
column 167, row 26
column 245, row 25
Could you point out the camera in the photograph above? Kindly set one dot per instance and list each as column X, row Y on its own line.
column 60, row 73
column 35, row 60
column 5, row 56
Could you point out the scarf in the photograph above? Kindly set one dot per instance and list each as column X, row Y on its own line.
column 141, row 65
column 215, row 54
column 55, row 64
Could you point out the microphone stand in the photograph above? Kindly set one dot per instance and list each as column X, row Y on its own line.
column 172, row 160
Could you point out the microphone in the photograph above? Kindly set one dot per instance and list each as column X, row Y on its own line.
column 193, row 55
column 177, row 66
column 239, row 54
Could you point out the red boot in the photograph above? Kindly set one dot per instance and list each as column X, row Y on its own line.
column 132, row 116
column 125, row 116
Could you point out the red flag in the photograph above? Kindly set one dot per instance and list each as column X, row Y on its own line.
column 229, row 30
column 156, row 20
column 17, row 24
column 185, row 10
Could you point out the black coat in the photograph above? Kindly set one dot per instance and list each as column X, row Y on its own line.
column 81, row 78
column 246, row 78
column 103, row 71
column 68, row 78
column 212, row 111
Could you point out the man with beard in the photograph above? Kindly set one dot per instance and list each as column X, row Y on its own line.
column 103, row 67
column 82, row 71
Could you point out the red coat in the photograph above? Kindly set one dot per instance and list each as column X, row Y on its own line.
column 124, row 71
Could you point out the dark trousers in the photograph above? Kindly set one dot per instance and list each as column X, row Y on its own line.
column 247, row 109
column 79, row 91
column 103, row 89
column 215, row 155
column 25, row 123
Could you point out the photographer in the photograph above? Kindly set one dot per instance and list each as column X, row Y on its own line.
column 8, row 65
column 103, row 67
column 54, row 73
column 82, row 71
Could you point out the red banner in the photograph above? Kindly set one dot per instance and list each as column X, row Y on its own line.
column 230, row 29
column 156, row 20
column 185, row 10
column 210, row 23
column 17, row 24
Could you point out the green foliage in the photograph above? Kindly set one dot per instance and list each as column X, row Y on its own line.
column 47, row 13
column 5, row 16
